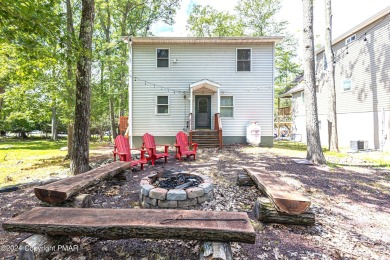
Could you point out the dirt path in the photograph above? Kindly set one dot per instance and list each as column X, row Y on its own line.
column 351, row 205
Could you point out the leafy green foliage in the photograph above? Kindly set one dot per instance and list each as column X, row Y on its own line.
column 206, row 21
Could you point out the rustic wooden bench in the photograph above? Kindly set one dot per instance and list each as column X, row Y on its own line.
column 135, row 223
column 285, row 198
column 64, row 189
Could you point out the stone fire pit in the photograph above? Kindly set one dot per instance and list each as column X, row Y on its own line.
column 176, row 196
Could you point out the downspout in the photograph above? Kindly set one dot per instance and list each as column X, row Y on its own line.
column 130, row 93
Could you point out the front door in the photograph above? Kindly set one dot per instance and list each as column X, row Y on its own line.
column 203, row 112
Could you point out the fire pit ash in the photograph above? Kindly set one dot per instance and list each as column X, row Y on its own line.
column 175, row 189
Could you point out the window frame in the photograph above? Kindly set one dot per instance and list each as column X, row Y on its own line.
column 156, row 105
column 350, row 85
column 221, row 106
column 169, row 56
column 349, row 39
column 250, row 60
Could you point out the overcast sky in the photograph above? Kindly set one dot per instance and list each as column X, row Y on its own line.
column 346, row 15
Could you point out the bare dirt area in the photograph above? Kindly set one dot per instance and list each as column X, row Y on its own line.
column 351, row 205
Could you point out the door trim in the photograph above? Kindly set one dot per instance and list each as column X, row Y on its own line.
column 209, row 114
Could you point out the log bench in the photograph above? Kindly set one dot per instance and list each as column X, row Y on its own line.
column 64, row 189
column 52, row 225
column 284, row 197
column 135, row 223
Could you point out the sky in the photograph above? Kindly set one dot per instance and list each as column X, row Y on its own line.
column 346, row 15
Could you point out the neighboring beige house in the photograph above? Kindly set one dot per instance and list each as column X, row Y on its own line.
column 184, row 83
column 362, row 75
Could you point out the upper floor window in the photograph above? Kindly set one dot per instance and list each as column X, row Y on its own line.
column 162, row 58
column 227, row 106
column 162, row 105
column 244, row 59
column 346, row 84
column 350, row 39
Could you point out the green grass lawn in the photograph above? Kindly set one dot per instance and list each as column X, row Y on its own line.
column 25, row 160
column 297, row 149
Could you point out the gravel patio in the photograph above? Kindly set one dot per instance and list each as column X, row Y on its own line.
column 351, row 206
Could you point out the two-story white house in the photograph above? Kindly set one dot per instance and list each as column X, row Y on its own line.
column 200, row 85
column 362, row 76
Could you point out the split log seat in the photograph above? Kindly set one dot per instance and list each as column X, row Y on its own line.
column 64, row 189
column 134, row 223
column 284, row 197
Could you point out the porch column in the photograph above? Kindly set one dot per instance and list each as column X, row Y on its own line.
column 190, row 117
column 218, row 101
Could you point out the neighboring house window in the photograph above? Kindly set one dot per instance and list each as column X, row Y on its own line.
column 325, row 62
column 347, row 84
column 244, row 59
column 303, row 97
column 162, row 105
column 350, row 39
column 227, row 107
column 162, row 58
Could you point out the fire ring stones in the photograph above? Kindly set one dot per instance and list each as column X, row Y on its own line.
column 194, row 192
column 158, row 193
column 152, row 197
column 176, row 194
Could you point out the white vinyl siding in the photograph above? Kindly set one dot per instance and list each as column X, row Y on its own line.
column 197, row 62
column 162, row 105
column 227, row 106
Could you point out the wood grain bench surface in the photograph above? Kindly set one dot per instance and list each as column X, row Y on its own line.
column 61, row 190
column 134, row 223
column 284, row 197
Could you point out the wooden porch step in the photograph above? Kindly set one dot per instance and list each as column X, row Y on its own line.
column 135, row 223
column 62, row 190
column 206, row 138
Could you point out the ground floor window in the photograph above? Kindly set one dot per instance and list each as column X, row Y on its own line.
column 162, row 105
column 227, row 106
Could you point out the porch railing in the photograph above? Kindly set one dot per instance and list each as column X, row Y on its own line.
column 218, row 127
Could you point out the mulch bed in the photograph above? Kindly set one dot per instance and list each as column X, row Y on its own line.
column 351, row 206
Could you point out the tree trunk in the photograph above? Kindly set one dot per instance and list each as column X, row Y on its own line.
column 215, row 251
column 54, row 135
column 332, row 115
column 39, row 246
column 266, row 212
column 70, row 78
column 80, row 153
column 314, row 151
column 112, row 117
column 244, row 180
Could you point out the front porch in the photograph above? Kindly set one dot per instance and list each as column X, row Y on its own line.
column 204, row 122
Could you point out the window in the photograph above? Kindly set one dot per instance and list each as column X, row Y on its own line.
column 325, row 62
column 162, row 58
column 243, row 59
column 162, row 106
column 303, row 97
column 350, row 39
column 227, row 106
column 346, row 84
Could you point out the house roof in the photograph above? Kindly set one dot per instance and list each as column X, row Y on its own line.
column 358, row 27
column 295, row 89
column 203, row 40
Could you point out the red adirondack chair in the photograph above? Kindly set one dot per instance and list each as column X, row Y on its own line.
column 182, row 146
column 122, row 149
column 150, row 145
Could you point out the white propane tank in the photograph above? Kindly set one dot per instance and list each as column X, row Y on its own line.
column 253, row 134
